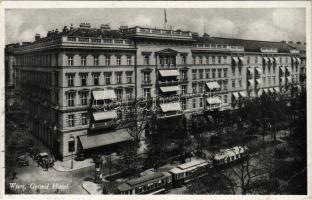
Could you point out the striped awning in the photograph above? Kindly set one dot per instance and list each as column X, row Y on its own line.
column 271, row 90
column 168, row 73
column 243, row 94
column 251, row 83
column 294, row 59
column 259, row 70
column 241, row 59
column 277, row 90
column 260, row 92
column 235, row 59
column 213, row 85
column 258, row 81
column 167, row 107
column 298, row 60
column 271, row 59
column 170, row 89
column 275, row 59
column 289, row 69
column 251, row 71
column 265, row 59
column 105, row 115
column 265, row 90
column 235, row 95
column 282, row 69
column 103, row 94
column 289, row 79
column 214, row 100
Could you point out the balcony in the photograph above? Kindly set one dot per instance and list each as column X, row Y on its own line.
column 217, row 47
column 67, row 40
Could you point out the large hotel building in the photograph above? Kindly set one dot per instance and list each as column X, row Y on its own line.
column 73, row 82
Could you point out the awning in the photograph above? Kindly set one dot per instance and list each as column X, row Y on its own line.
column 167, row 107
column 235, row 59
column 170, row 89
column 298, row 60
column 289, row 79
column 282, row 69
column 275, row 59
column 251, row 83
column 251, row 70
column 241, row 59
column 103, row 94
column 213, row 85
column 282, row 80
column 214, row 100
column 277, row 90
column 235, row 94
column 265, row 90
column 258, row 81
column 289, row 69
column 105, row 115
column 260, row 92
column 91, row 141
column 259, row 70
column 271, row 59
column 243, row 94
column 271, row 90
column 265, row 59
column 168, row 73
column 294, row 59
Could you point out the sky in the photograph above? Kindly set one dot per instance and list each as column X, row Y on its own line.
column 269, row 24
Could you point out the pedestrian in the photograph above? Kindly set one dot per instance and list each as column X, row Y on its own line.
column 56, row 191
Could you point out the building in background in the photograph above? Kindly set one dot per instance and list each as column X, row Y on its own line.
column 74, row 81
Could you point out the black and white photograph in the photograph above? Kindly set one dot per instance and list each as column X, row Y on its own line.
column 157, row 100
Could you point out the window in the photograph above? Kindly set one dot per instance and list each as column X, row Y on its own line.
column 225, row 98
column 207, row 59
column 207, row 73
column 194, row 88
column 147, row 93
column 83, row 79
column 70, row 99
column 224, row 60
column 146, row 77
column 213, row 59
column 183, row 89
column 118, row 77
column 84, row 98
column 286, row 59
column 233, row 83
column 274, row 80
column 248, row 60
column 96, row 60
column 184, row 60
column 213, row 73
column 194, row 74
column 56, row 97
column 83, row 60
column 84, row 120
column 281, row 60
column 56, row 78
column 129, row 77
column 70, row 80
column 200, row 60
column 201, row 74
column 219, row 59
column 240, row 83
column 200, row 88
column 225, row 83
column 146, row 60
column 219, row 73
column 70, row 60
column 107, row 60
column 107, row 76
column 194, row 60
column 264, row 80
column 71, row 120
column 118, row 60
column 96, row 78
column 256, row 59
column 201, row 102
column 129, row 93
column 269, row 79
column 225, row 72
column 194, row 103
column 274, row 69
column 129, row 60
column 184, row 105
column 119, row 94
column 183, row 75
column 240, row 71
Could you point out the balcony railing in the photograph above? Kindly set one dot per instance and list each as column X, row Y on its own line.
column 103, row 125
column 223, row 47
column 168, row 83
column 106, row 41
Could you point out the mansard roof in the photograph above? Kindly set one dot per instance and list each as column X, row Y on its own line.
column 249, row 45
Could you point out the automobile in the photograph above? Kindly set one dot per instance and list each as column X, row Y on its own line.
column 80, row 157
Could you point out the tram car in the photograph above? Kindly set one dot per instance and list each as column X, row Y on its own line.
column 155, row 183
column 226, row 157
column 188, row 171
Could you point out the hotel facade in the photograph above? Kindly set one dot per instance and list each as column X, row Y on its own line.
column 74, row 82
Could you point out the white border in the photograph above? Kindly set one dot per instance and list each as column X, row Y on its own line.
column 157, row 4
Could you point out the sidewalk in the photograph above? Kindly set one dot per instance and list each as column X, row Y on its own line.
column 92, row 188
column 65, row 166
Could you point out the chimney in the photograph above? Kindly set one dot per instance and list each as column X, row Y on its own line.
column 37, row 36
column 105, row 27
column 290, row 42
column 283, row 41
column 206, row 35
column 298, row 42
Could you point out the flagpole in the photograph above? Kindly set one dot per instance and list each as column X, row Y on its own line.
column 165, row 18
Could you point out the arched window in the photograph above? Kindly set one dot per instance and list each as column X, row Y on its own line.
column 71, row 144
